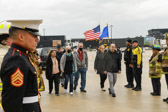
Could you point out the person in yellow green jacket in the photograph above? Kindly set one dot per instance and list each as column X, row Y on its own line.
column 165, row 65
column 137, row 64
column 155, row 70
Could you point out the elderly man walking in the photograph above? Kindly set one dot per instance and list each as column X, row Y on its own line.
column 112, row 67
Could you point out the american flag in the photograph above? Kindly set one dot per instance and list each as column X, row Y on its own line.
column 92, row 34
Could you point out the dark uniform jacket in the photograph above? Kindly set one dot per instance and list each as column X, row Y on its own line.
column 99, row 63
column 112, row 62
column 19, row 79
column 128, row 55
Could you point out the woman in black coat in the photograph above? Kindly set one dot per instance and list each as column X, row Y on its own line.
column 99, row 66
column 53, row 72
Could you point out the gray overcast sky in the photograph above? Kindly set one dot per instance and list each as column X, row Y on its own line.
column 72, row 18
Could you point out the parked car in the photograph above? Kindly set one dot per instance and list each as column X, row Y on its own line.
column 43, row 54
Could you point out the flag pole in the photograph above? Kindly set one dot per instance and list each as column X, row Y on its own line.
column 99, row 36
column 111, row 26
column 108, row 34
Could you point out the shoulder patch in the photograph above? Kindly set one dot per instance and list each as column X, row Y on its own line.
column 17, row 78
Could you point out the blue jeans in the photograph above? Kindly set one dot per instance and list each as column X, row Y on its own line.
column 81, row 71
column 67, row 77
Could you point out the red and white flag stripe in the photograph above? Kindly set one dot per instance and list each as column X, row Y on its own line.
column 90, row 35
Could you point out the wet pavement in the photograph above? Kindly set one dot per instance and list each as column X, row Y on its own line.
column 96, row 100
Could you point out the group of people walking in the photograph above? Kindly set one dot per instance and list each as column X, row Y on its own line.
column 70, row 65
column 67, row 67
column 108, row 64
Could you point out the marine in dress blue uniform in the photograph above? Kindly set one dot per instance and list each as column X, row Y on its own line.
column 18, row 74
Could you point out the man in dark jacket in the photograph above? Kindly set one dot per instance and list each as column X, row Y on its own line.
column 59, row 55
column 112, row 67
column 127, row 59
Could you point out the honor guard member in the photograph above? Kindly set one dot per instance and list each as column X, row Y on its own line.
column 127, row 59
column 137, row 64
column 165, row 64
column 18, row 74
column 155, row 70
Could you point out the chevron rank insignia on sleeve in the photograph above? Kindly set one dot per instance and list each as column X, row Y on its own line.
column 17, row 78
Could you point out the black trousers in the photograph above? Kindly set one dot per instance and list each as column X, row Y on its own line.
column 54, row 78
column 129, row 75
column 32, row 107
column 156, row 85
column 137, row 75
column 103, row 78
